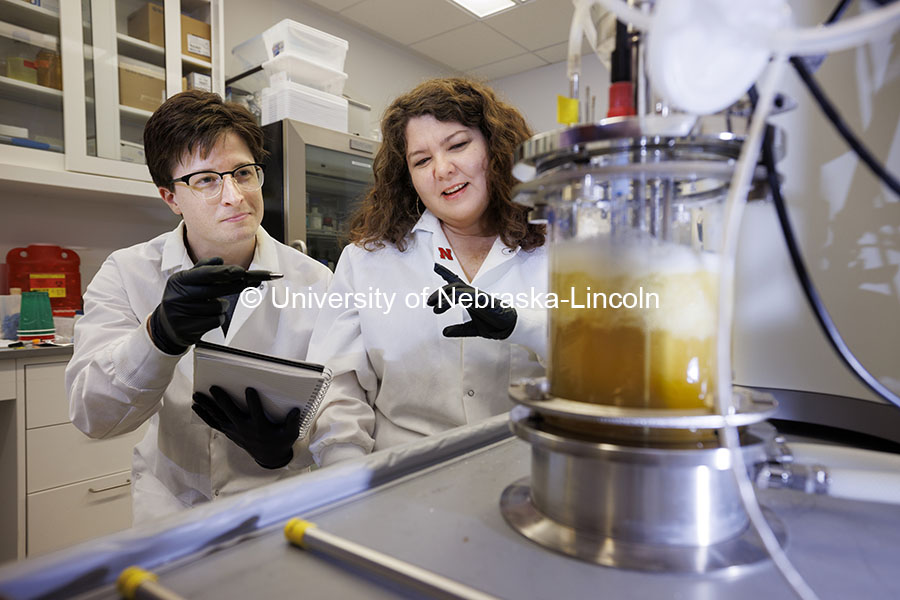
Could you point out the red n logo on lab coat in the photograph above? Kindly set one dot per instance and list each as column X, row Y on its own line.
column 445, row 253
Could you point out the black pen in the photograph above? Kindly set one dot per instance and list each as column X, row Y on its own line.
column 258, row 276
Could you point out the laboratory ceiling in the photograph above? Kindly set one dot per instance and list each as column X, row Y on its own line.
column 530, row 35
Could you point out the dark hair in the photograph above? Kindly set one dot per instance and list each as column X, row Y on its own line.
column 391, row 206
column 195, row 120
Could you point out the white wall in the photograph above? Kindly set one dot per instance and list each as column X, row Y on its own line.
column 848, row 224
column 378, row 71
column 534, row 92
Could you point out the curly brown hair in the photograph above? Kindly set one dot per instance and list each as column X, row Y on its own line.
column 195, row 119
column 391, row 206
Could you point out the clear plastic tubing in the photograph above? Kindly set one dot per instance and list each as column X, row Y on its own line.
column 810, row 40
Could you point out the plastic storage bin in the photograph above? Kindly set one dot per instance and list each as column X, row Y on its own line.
column 291, row 37
column 296, row 69
column 288, row 100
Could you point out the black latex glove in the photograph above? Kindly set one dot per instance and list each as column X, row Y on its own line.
column 270, row 444
column 192, row 303
column 490, row 319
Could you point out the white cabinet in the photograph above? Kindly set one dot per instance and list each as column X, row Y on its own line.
column 31, row 105
column 69, row 514
column 7, row 380
column 57, row 486
column 45, row 380
column 87, row 115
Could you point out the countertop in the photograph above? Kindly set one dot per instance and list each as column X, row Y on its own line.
column 31, row 351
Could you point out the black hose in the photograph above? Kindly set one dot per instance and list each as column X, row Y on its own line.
column 823, row 318
column 838, row 12
column 836, row 120
column 812, row 296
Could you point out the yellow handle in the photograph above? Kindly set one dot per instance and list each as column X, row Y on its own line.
column 131, row 579
column 295, row 529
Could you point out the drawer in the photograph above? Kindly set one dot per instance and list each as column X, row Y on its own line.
column 74, row 513
column 45, row 394
column 7, row 379
column 61, row 454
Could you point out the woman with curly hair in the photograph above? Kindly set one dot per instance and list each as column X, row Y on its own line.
column 422, row 343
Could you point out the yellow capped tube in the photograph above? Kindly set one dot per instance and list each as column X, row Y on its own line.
column 135, row 583
column 305, row 535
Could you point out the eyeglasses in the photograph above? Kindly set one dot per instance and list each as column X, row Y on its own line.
column 208, row 184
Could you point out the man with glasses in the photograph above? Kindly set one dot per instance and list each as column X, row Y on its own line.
column 150, row 303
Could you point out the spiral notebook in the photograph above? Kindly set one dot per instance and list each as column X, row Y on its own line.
column 282, row 383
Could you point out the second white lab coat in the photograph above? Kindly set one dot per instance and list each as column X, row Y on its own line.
column 396, row 377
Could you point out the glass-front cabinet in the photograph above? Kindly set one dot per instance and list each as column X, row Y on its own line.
column 31, row 99
column 81, row 77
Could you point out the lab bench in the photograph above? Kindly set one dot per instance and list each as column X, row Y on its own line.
column 435, row 504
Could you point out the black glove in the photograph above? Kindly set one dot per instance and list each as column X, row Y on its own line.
column 270, row 444
column 490, row 319
column 192, row 303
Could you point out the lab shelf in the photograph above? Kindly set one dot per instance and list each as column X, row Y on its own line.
column 38, row 95
column 141, row 50
column 51, row 181
column 25, row 35
column 30, row 16
column 196, row 62
column 134, row 115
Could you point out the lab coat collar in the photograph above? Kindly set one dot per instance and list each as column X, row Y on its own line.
column 427, row 222
column 498, row 254
column 175, row 254
column 431, row 224
column 264, row 256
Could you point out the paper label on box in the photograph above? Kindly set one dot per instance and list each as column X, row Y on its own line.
column 198, row 45
column 199, row 81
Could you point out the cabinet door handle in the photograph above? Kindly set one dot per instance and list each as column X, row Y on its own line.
column 112, row 487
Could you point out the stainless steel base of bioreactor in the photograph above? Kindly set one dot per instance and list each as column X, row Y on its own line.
column 671, row 507
column 731, row 555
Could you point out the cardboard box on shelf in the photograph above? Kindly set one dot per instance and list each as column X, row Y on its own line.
column 147, row 23
column 141, row 85
column 132, row 152
column 198, row 81
column 195, row 36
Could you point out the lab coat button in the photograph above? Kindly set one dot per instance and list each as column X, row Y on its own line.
column 470, row 393
column 216, row 492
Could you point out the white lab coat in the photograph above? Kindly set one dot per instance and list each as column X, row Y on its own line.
column 396, row 377
column 118, row 379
